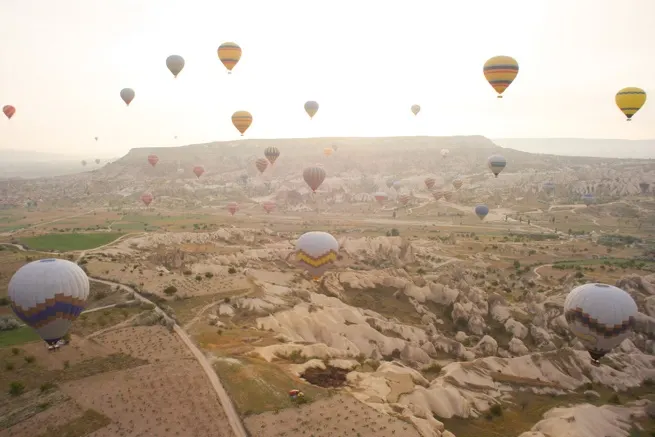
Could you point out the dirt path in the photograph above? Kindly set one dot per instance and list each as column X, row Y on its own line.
column 536, row 269
column 230, row 411
column 4, row 234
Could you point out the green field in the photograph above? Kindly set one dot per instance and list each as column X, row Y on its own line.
column 69, row 242
column 22, row 335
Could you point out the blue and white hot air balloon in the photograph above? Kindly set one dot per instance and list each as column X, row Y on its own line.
column 481, row 211
column 496, row 164
column 48, row 295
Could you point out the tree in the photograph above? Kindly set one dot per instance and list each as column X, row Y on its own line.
column 170, row 290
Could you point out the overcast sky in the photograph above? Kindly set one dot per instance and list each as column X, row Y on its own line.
column 64, row 62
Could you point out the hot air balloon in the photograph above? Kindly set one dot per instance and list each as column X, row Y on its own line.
column 175, row 64
column 127, row 94
column 404, row 199
column 316, row 252
column 496, row 164
column 229, row 53
column 389, row 182
column 500, row 72
column 198, row 170
column 457, row 183
column 448, row 195
column 587, row 199
column 335, row 148
column 549, row 186
column 269, row 206
column 96, row 138
column 271, row 153
column 311, row 108
column 481, row 211
column 416, row 109
column 147, row 199
column 644, row 186
column 429, row 183
column 328, row 151
column 445, row 153
column 97, row 161
column 600, row 316
column 630, row 100
column 233, row 207
column 153, row 160
column 261, row 164
column 437, row 194
column 48, row 295
column 242, row 121
column 314, row 177
column 381, row 197
column 396, row 185
column 9, row 111
column 83, row 162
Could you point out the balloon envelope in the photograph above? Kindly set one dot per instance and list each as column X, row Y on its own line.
column 261, row 164
column 147, row 198
column 175, row 64
column 316, row 252
column 601, row 316
column 242, row 121
column 311, row 107
column 445, row 152
column 630, row 100
column 416, row 109
column 9, row 111
column 272, row 153
column 233, row 207
column 429, row 183
column 496, row 164
column 500, row 72
column 127, row 94
column 48, row 295
column 481, row 211
column 229, row 53
column 314, row 177
column 153, row 160
column 198, row 170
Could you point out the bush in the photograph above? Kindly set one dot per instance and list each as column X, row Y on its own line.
column 7, row 323
column 614, row 399
column 231, row 270
column 15, row 350
column 496, row 410
column 47, row 386
column 9, row 366
column 187, row 272
column 209, row 275
column 198, row 278
column 29, row 359
column 16, row 388
column 170, row 290
column 394, row 232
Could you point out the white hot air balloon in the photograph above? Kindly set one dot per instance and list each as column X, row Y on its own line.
column 496, row 164
column 445, row 153
column 601, row 316
column 316, row 252
column 48, row 295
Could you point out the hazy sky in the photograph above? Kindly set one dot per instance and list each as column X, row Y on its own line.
column 64, row 62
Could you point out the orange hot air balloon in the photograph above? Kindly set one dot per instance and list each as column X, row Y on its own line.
column 314, row 177
column 269, row 206
column 147, row 198
column 229, row 53
column 233, row 207
column 153, row 160
column 242, row 121
column 429, row 182
column 198, row 170
column 328, row 151
column 9, row 111
column 500, row 72
column 261, row 165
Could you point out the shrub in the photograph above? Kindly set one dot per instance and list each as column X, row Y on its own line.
column 16, row 388
column 496, row 410
column 47, row 386
column 209, row 275
column 29, row 359
column 231, row 270
column 7, row 323
column 170, row 290
column 15, row 350
column 9, row 366
column 198, row 278
column 187, row 272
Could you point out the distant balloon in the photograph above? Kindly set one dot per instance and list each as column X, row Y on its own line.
column 404, row 199
column 314, row 177
column 97, row 161
column 457, row 183
column 127, row 94
column 416, row 109
column 261, row 164
column 242, row 121
column 269, row 206
column 272, row 153
column 549, row 186
column 500, row 72
column 644, row 186
column 381, row 197
column 175, row 64
column 9, row 111
column 96, row 138
column 481, row 211
column 328, row 151
column 429, row 183
column 587, row 199
column 48, row 295
column 229, row 53
column 233, row 207
column 83, row 162
column 448, row 195
column 153, row 160
column 600, row 316
column 437, row 194
column 396, row 185
column 630, row 100
column 496, row 164
column 198, row 170
column 445, row 153
column 316, row 252
column 311, row 107
column 389, row 182
column 147, row 198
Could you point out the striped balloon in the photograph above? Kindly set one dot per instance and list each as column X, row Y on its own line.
column 272, row 153
column 242, row 121
column 630, row 100
column 311, row 108
column 404, row 199
column 448, row 195
column 48, row 295
column 437, row 194
column 316, row 252
column 457, row 183
column 500, row 72
column 147, row 198
column 496, row 164
column 314, row 177
column 9, row 111
column 261, row 165
column 233, row 207
column 429, row 182
column 229, row 53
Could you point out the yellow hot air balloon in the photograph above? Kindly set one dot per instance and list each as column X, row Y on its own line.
column 229, row 53
column 242, row 121
column 328, row 151
column 500, row 72
column 630, row 100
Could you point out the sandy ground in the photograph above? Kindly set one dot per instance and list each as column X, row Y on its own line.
column 340, row 415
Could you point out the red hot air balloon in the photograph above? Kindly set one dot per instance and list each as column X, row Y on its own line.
column 429, row 182
column 314, row 176
column 269, row 206
column 198, row 170
column 233, row 207
column 404, row 199
column 147, row 198
column 437, row 194
column 9, row 111
column 448, row 195
column 261, row 164
column 153, row 160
